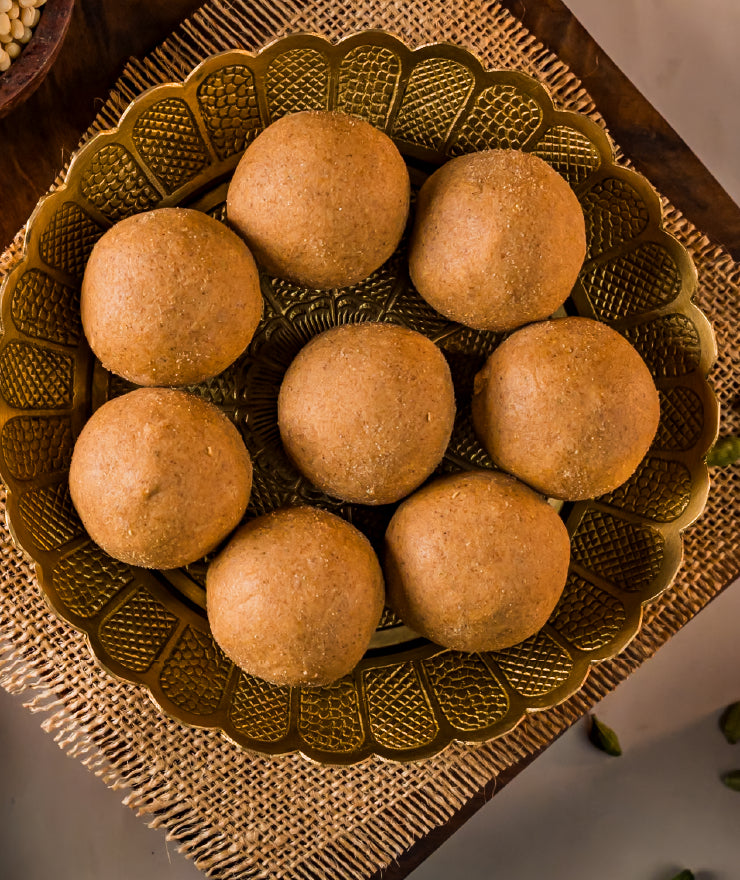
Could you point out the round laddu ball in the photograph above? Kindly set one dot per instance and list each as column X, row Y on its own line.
column 365, row 411
column 568, row 406
column 170, row 297
column 498, row 240
column 159, row 477
column 295, row 596
column 321, row 198
column 475, row 561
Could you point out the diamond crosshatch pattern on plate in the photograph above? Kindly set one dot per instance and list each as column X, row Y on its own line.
column 179, row 143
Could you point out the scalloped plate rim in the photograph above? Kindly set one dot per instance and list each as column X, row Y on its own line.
column 686, row 519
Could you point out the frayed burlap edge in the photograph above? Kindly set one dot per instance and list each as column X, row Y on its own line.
column 244, row 816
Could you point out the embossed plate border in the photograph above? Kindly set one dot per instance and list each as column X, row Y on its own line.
column 176, row 145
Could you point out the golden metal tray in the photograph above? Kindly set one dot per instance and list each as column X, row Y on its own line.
column 178, row 145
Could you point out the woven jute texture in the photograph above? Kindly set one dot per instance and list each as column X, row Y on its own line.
column 244, row 816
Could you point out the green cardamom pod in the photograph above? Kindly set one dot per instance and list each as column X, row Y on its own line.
column 732, row 780
column 603, row 737
column 730, row 723
column 725, row 451
column 685, row 875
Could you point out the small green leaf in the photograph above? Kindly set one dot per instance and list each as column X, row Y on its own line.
column 725, row 451
column 684, row 875
column 732, row 780
column 603, row 737
column 730, row 723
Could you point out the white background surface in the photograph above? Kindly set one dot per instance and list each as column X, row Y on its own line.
column 643, row 816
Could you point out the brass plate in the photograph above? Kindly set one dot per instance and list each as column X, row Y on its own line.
column 177, row 145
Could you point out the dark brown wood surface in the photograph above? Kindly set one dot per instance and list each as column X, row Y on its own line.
column 37, row 137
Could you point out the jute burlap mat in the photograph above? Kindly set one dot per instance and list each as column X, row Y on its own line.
column 243, row 816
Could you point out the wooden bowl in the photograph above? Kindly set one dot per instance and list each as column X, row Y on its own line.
column 27, row 72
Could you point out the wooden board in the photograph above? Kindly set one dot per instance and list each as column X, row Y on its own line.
column 37, row 137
